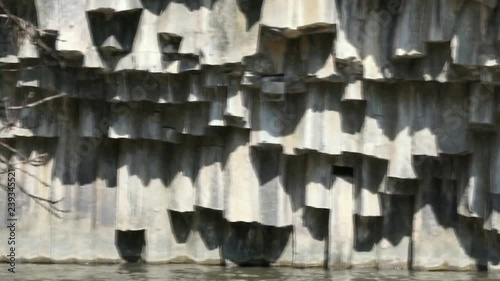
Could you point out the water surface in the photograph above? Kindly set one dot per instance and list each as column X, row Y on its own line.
column 126, row 272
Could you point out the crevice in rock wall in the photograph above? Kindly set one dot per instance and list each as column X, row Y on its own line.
column 251, row 244
column 130, row 244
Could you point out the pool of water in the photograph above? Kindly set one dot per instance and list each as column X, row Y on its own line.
column 125, row 272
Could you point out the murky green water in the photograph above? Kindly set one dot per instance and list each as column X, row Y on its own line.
column 212, row 273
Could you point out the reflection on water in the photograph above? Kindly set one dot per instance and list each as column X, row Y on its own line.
column 143, row 272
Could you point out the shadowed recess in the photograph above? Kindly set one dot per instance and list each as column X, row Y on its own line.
column 130, row 244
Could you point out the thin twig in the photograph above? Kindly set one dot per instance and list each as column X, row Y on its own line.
column 15, row 151
column 38, row 102
column 33, row 176
column 32, row 32
column 40, row 201
column 26, row 29
column 38, row 197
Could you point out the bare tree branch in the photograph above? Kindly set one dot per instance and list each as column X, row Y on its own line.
column 37, row 102
column 36, row 161
column 41, row 201
column 24, row 29
column 32, row 32
column 33, row 176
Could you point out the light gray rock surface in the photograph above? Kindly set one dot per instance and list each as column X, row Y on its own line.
column 341, row 133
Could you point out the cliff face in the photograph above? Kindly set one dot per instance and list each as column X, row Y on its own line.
column 291, row 132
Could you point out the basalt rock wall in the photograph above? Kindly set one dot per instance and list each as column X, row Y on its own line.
column 289, row 132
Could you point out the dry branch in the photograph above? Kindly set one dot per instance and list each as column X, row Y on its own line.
column 23, row 29
column 34, row 34
column 37, row 102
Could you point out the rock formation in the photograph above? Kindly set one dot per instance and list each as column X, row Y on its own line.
column 335, row 133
